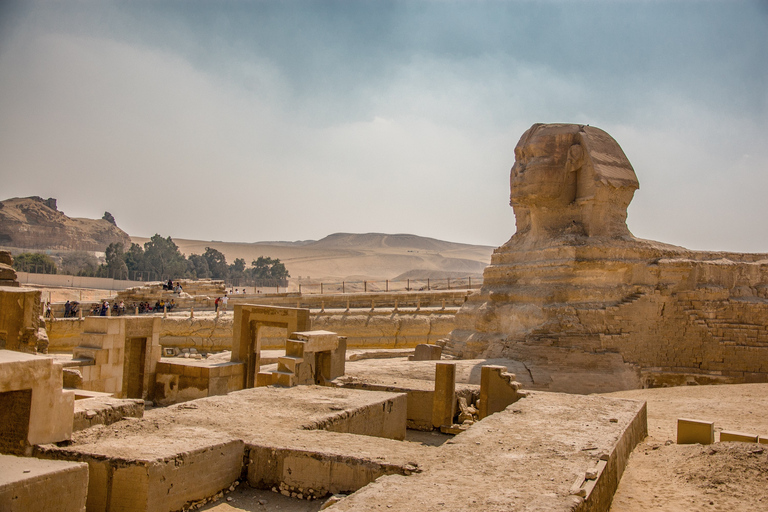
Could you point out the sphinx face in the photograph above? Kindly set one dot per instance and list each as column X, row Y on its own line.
column 540, row 176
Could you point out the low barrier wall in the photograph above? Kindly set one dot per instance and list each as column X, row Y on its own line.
column 63, row 280
column 380, row 328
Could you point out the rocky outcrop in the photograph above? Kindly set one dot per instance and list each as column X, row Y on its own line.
column 574, row 284
column 7, row 273
column 36, row 223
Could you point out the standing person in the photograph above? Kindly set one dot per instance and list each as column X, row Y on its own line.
column 47, row 310
column 224, row 301
column 67, row 309
column 216, row 305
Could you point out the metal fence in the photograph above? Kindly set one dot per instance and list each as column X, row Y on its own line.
column 461, row 283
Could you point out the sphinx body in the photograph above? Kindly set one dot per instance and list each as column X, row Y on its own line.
column 574, row 288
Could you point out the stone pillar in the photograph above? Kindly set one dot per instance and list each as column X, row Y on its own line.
column 444, row 401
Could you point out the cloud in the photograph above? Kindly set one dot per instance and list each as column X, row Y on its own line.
column 291, row 121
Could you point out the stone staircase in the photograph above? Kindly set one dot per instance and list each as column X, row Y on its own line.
column 311, row 357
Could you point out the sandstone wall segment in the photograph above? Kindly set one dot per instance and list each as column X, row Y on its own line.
column 573, row 283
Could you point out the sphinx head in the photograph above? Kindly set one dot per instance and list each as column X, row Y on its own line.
column 570, row 179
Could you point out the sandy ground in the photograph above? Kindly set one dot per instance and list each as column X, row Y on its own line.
column 663, row 476
column 62, row 294
column 372, row 257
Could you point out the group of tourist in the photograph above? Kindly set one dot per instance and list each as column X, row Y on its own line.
column 71, row 309
column 146, row 307
column 221, row 303
column 169, row 286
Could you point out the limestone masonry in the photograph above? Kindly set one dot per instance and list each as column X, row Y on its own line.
column 574, row 287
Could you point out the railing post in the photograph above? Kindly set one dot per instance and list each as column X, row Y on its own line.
column 470, row 283
column 408, row 286
column 428, row 288
column 365, row 286
column 347, row 305
column 299, row 288
column 192, row 312
column 418, row 304
column 373, row 305
column 321, row 288
column 449, row 283
column 387, row 288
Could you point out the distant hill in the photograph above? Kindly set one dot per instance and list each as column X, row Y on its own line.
column 350, row 256
column 36, row 223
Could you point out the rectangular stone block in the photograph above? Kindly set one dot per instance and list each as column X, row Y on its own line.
column 444, row 400
column 36, row 485
column 695, row 431
column 729, row 435
column 265, row 379
column 425, row 352
column 317, row 341
column 762, row 439
column 163, row 474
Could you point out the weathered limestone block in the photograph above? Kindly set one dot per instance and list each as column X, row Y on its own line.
column 444, row 400
column 33, row 407
column 7, row 272
column 731, row 436
column 574, row 278
column 103, row 410
column 695, row 431
column 425, row 352
column 19, row 318
column 34, row 485
column 154, row 473
column 498, row 389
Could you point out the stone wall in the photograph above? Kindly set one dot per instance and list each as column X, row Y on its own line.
column 380, row 328
column 19, row 320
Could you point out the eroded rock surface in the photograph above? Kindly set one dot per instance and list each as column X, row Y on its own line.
column 36, row 223
column 573, row 284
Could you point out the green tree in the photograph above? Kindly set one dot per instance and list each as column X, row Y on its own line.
column 217, row 263
column 198, row 266
column 162, row 256
column 269, row 272
column 134, row 259
column 115, row 267
column 237, row 271
column 79, row 263
column 35, row 262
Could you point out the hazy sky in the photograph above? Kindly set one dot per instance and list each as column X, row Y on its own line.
column 248, row 121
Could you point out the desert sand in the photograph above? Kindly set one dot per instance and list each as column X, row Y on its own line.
column 370, row 256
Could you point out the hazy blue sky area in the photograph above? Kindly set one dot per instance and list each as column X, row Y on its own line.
column 247, row 121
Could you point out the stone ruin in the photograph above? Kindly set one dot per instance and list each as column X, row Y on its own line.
column 573, row 288
column 572, row 291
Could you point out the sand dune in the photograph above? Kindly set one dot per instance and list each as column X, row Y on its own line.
column 347, row 256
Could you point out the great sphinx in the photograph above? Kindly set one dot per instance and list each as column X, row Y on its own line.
column 573, row 286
